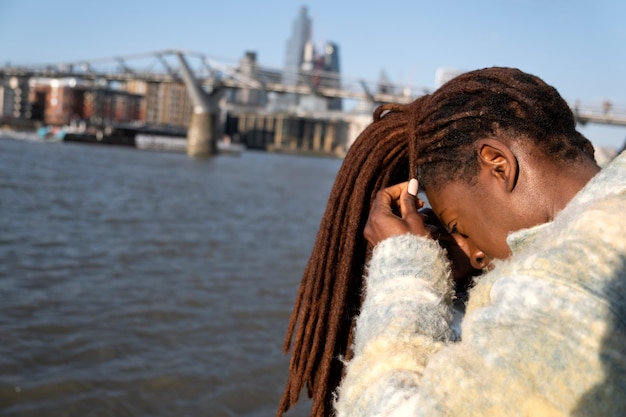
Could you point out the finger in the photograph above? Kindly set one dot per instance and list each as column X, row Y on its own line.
column 413, row 187
column 412, row 201
column 408, row 201
column 395, row 191
column 409, row 205
column 387, row 198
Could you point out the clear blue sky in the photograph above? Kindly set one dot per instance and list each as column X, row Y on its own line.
column 578, row 46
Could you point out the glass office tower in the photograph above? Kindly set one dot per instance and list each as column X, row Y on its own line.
column 300, row 35
column 332, row 69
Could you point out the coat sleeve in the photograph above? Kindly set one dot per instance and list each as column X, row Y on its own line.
column 405, row 319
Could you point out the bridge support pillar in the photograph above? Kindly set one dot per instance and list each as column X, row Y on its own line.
column 202, row 130
column 329, row 137
column 201, row 135
column 317, row 135
column 278, row 131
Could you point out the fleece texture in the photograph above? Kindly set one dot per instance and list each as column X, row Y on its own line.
column 544, row 332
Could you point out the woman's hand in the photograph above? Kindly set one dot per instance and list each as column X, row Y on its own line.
column 394, row 212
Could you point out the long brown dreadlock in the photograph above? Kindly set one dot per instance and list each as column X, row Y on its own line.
column 430, row 138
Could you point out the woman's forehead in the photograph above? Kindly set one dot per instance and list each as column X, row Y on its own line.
column 451, row 198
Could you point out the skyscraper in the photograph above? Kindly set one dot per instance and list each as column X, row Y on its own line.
column 332, row 70
column 300, row 35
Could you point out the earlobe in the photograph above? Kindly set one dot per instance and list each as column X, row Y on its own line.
column 499, row 162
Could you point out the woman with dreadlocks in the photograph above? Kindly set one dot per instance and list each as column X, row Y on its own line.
column 505, row 171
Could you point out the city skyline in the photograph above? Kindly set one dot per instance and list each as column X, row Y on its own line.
column 303, row 59
column 573, row 45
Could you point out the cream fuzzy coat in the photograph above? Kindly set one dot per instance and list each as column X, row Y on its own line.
column 544, row 333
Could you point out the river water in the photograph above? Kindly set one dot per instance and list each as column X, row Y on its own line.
column 140, row 283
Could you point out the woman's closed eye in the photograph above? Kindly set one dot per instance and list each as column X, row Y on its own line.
column 455, row 231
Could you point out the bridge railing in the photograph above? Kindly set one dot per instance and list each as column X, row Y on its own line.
column 601, row 108
column 163, row 65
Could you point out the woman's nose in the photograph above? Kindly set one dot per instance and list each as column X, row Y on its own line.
column 478, row 259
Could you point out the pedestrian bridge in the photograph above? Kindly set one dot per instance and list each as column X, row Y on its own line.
column 166, row 66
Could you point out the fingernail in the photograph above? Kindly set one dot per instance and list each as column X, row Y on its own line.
column 413, row 187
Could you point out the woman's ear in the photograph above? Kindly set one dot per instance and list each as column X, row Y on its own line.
column 498, row 162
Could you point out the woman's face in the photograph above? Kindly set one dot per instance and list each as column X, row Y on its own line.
column 455, row 246
column 478, row 218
